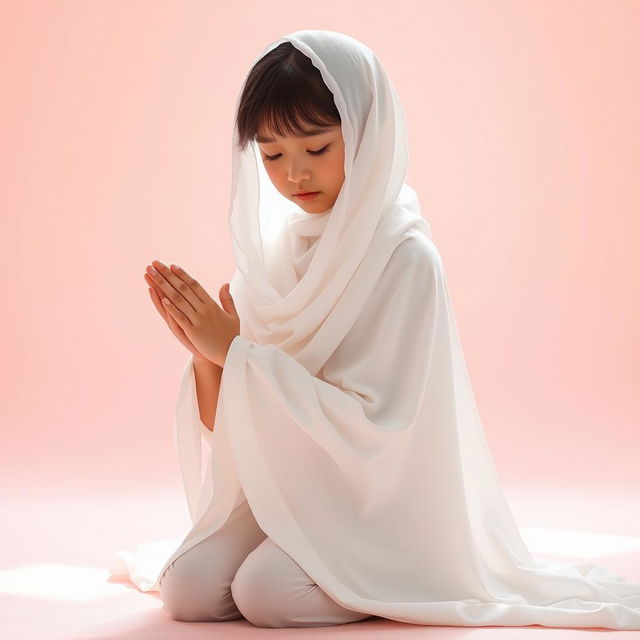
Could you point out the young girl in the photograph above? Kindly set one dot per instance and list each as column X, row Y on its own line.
column 347, row 474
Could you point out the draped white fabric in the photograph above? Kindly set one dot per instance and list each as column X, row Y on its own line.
column 346, row 417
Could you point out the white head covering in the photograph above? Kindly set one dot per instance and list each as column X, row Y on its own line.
column 287, row 293
column 300, row 241
column 346, row 419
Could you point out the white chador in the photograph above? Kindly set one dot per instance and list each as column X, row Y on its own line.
column 346, row 417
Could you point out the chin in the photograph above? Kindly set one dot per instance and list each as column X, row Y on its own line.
column 316, row 206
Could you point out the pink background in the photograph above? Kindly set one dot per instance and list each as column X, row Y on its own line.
column 524, row 138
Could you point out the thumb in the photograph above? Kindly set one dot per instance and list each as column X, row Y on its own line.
column 226, row 300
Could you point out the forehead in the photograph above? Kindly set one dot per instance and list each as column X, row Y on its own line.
column 307, row 132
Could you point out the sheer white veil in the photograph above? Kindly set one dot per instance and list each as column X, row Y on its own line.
column 285, row 289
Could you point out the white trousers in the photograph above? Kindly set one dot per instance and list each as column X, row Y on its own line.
column 237, row 572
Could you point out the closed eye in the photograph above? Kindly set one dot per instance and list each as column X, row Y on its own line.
column 313, row 153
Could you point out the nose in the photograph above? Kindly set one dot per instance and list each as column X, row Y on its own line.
column 298, row 172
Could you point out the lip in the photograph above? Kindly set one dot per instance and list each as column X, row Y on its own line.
column 307, row 195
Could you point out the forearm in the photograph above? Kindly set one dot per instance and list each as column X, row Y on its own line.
column 208, row 376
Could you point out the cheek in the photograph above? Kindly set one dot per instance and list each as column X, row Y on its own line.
column 337, row 169
column 278, row 179
column 271, row 172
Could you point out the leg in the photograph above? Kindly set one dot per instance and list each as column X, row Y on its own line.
column 196, row 586
column 272, row 590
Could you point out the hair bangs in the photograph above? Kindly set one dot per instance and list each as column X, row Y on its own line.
column 283, row 95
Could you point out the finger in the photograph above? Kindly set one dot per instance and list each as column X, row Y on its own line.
column 227, row 301
column 181, row 319
column 157, row 304
column 183, row 298
column 156, row 296
column 192, row 283
column 180, row 284
column 173, row 325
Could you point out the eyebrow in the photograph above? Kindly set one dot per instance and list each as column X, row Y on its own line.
column 306, row 133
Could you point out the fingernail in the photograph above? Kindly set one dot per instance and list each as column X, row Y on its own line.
column 153, row 271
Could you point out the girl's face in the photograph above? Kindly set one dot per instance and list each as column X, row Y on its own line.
column 314, row 162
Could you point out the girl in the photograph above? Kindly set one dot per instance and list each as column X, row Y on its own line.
column 347, row 473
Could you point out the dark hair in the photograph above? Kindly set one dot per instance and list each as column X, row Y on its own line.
column 284, row 92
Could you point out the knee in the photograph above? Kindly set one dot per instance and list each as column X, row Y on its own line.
column 255, row 592
column 271, row 590
column 187, row 597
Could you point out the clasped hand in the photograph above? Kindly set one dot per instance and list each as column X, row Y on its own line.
column 192, row 314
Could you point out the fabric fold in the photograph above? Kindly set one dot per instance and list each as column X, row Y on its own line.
column 353, row 477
